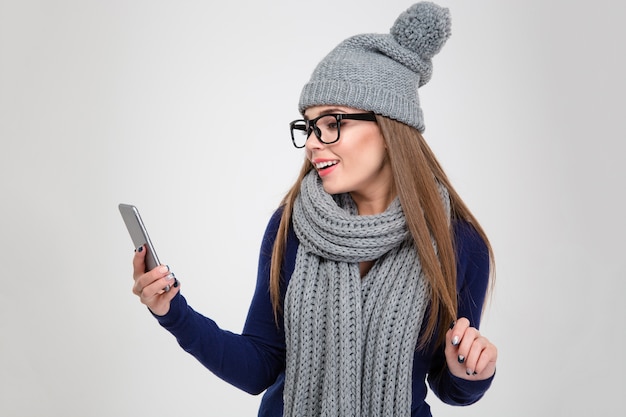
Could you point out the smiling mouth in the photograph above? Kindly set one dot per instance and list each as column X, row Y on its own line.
column 326, row 164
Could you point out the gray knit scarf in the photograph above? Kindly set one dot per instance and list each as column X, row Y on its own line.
column 351, row 340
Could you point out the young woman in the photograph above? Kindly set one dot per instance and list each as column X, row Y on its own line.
column 372, row 272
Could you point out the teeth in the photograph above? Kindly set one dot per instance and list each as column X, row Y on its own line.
column 325, row 164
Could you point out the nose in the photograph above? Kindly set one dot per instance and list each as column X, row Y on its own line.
column 313, row 143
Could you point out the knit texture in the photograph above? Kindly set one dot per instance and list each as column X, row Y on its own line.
column 382, row 72
column 351, row 340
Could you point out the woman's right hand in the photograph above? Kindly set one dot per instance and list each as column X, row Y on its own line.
column 149, row 286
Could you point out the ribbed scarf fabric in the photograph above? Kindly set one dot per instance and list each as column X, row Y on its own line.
column 351, row 340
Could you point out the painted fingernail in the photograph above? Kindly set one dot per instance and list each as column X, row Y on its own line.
column 461, row 358
column 140, row 249
column 175, row 283
column 469, row 371
column 452, row 324
column 455, row 340
column 475, row 373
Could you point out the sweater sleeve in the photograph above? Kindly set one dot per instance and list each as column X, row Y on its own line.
column 251, row 360
column 472, row 281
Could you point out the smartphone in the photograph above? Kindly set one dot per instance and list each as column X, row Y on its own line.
column 139, row 235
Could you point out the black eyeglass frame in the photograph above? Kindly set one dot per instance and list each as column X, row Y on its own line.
column 311, row 125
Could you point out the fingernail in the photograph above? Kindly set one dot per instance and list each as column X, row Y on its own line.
column 469, row 371
column 461, row 358
column 475, row 373
column 175, row 283
column 140, row 249
column 455, row 340
column 452, row 324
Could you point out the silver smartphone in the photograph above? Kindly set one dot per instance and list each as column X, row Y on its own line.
column 139, row 234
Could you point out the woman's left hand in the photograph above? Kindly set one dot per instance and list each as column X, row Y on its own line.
column 469, row 355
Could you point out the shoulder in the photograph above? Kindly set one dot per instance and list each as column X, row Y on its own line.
column 274, row 221
column 472, row 254
column 468, row 242
column 291, row 245
column 271, row 230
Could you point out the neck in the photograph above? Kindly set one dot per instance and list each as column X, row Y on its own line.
column 372, row 205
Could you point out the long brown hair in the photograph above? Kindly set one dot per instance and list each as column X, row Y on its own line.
column 416, row 172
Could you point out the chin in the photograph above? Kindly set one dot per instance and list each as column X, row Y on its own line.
column 332, row 189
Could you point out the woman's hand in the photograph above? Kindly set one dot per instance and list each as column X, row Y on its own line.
column 468, row 354
column 149, row 286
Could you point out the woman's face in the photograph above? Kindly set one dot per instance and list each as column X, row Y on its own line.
column 356, row 164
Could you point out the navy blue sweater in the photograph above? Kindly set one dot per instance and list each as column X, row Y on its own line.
column 254, row 360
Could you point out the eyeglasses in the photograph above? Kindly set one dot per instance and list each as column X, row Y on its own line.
column 326, row 127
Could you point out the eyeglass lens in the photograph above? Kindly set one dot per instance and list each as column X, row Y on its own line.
column 326, row 129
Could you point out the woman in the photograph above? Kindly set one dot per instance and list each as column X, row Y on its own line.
column 368, row 260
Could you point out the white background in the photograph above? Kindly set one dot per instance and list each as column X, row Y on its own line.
column 182, row 109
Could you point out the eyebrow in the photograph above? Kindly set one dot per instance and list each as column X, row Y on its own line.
column 332, row 110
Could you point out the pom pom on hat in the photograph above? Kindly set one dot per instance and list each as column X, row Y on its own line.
column 423, row 28
column 381, row 73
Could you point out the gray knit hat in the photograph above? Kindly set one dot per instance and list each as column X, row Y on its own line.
column 382, row 72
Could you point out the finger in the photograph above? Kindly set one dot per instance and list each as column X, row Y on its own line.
column 467, row 339
column 469, row 354
column 457, row 331
column 474, row 352
column 487, row 360
column 153, row 289
column 462, row 335
column 159, row 303
column 150, row 283
column 157, row 288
